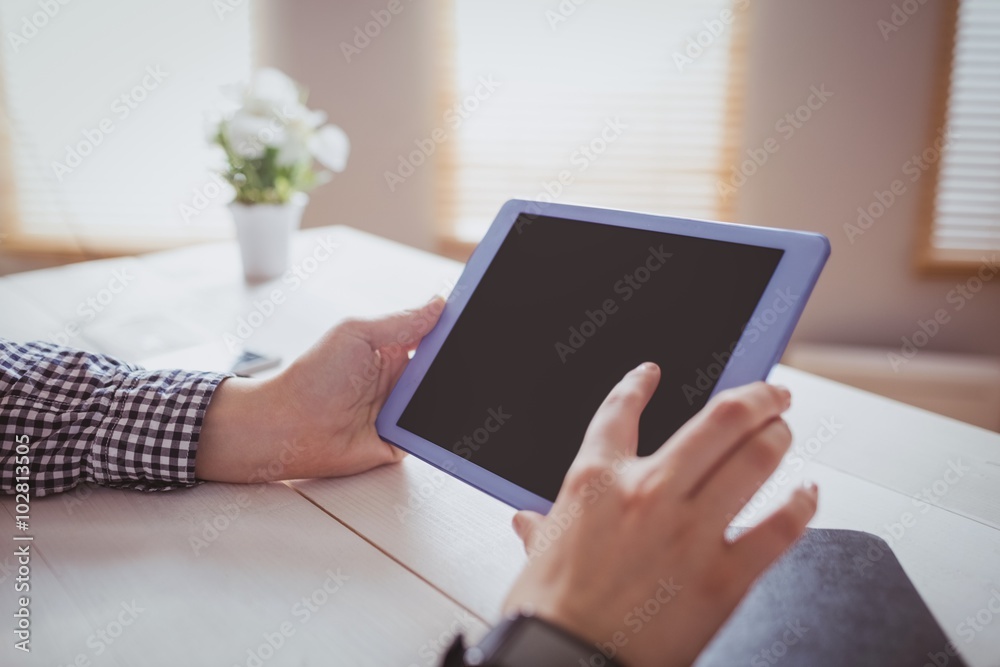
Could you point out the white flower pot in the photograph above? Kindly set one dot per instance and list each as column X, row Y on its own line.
column 264, row 232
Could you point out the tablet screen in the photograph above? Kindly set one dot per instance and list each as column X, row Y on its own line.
column 565, row 309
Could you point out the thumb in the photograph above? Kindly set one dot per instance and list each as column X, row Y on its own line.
column 526, row 524
column 404, row 329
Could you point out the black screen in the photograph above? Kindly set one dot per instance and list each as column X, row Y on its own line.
column 563, row 312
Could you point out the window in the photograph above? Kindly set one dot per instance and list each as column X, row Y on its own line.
column 103, row 120
column 626, row 104
column 963, row 224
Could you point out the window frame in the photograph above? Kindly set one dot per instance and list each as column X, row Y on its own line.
column 930, row 260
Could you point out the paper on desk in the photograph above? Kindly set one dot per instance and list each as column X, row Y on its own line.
column 214, row 356
column 142, row 335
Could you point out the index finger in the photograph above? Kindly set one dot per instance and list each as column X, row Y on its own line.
column 614, row 430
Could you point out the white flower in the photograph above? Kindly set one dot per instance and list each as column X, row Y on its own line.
column 300, row 125
column 331, row 147
column 269, row 89
column 270, row 122
column 249, row 134
column 298, row 114
column 295, row 147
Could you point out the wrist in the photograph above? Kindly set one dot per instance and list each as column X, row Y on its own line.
column 559, row 615
column 243, row 424
column 527, row 640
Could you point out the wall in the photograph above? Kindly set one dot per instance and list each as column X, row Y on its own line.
column 855, row 144
column 384, row 98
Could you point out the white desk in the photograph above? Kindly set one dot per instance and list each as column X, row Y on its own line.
column 397, row 559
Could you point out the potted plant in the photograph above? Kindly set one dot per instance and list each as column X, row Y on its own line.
column 272, row 142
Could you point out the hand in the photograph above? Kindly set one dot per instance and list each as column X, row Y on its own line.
column 317, row 417
column 632, row 556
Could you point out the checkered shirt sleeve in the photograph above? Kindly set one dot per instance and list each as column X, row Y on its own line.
column 91, row 418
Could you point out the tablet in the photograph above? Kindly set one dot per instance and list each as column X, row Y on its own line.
column 557, row 303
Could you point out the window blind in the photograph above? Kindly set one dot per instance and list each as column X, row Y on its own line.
column 967, row 203
column 627, row 104
column 106, row 103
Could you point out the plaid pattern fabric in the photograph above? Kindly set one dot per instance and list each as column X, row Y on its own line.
column 91, row 418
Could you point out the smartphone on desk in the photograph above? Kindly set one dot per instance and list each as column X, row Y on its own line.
column 215, row 357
